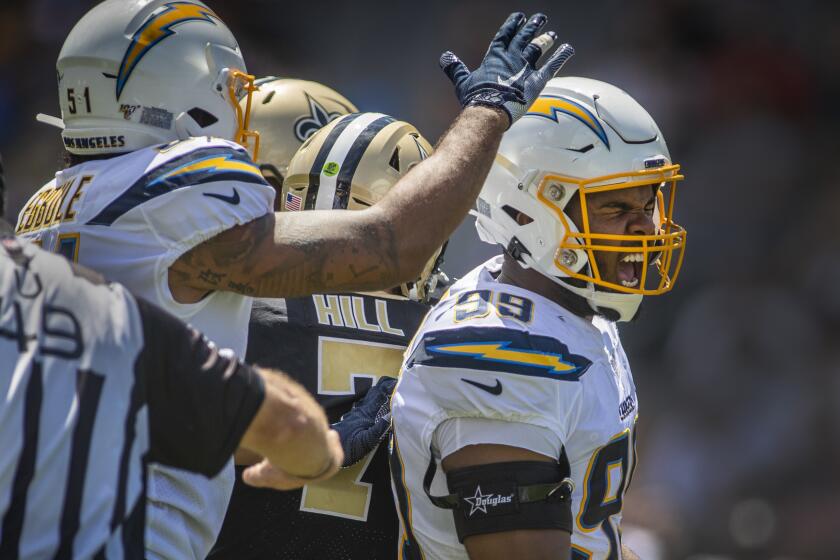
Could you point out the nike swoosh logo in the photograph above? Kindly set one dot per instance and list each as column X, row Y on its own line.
column 513, row 78
column 492, row 389
column 233, row 199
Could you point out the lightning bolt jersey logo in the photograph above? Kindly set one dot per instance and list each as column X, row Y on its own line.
column 500, row 350
column 194, row 168
column 154, row 30
column 212, row 165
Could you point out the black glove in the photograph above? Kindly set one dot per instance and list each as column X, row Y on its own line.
column 508, row 77
column 367, row 423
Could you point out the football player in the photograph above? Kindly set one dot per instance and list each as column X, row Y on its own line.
column 159, row 195
column 336, row 346
column 514, row 416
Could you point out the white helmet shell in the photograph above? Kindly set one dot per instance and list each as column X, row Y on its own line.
column 141, row 72
column 579, row 135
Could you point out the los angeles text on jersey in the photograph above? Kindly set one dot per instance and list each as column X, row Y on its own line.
column 95, row 142
column 47, row 208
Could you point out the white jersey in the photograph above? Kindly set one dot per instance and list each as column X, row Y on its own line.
column 494, row 363
column 130, row 217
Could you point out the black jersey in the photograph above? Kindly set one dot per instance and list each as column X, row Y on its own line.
column 336, row 346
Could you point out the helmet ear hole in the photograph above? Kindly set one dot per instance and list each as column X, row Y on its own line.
column 202, row 117
column 268, row 97
column 517, row 216
column 395, row 159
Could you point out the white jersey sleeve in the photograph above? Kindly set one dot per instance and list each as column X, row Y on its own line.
column 456, row 433
column 470, row 360
column 198, row 190
column 189, row 193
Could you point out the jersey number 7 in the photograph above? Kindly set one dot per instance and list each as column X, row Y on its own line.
column 340, row 362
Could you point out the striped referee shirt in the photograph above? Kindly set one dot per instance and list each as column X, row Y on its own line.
column 93, row 385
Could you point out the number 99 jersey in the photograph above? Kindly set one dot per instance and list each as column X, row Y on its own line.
column 336, row 346
column 496, row 364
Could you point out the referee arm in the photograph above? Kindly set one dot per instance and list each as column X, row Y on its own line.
column 203, row 404
column 291, row 432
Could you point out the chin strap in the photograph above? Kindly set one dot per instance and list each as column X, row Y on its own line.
column 518, row 251
column 624, row 306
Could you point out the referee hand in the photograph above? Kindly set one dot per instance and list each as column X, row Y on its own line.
column 266, row 475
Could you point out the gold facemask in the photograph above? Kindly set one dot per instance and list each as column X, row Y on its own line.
column 241, row 86
column 664, row 249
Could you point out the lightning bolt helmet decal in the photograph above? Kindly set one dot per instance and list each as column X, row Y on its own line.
column 154, row 30
column 549, row 106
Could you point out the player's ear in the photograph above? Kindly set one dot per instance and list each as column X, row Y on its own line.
column 523, row 219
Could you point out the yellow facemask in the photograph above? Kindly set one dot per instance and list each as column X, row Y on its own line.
column 241, row 87
column 664, row 249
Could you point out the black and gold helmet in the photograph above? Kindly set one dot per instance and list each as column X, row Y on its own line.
column 351, row 164
column 287, row 112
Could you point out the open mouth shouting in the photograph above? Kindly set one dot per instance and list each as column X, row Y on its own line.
column 629, row 270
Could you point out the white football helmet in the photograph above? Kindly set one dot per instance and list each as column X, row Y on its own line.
column 134, row 73
column 582, row 137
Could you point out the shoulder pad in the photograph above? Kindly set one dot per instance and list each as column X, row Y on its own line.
column 501, row 350
column 183, row 164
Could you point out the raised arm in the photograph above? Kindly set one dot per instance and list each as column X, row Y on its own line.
column 293, row 254
column 297, row 253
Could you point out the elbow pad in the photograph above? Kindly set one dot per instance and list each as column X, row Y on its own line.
column 506, row 496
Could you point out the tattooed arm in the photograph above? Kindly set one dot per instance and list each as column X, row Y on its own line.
column 298, row 253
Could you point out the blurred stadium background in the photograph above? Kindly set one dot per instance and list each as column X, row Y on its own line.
column 739, row 369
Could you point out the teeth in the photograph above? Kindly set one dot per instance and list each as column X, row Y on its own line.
column 633, row 257
column 632, row 284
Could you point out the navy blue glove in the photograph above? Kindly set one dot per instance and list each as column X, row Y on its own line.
column 508, row 76
column 367, row 423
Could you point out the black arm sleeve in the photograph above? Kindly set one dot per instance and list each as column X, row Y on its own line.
column 200, row 402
